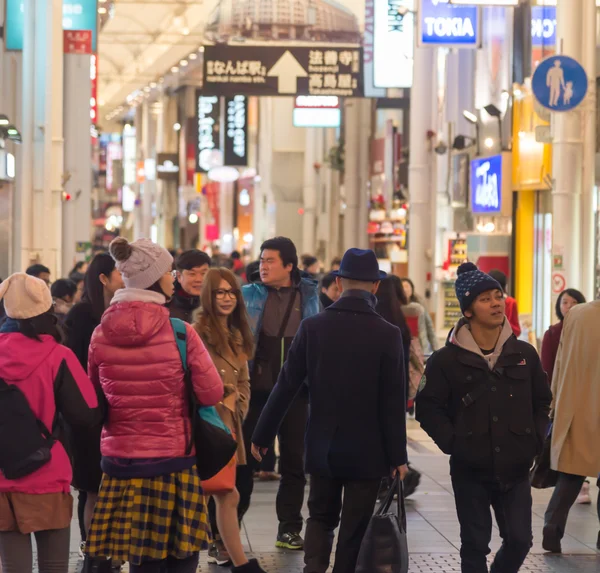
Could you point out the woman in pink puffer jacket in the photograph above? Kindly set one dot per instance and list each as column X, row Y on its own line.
column 150, row 508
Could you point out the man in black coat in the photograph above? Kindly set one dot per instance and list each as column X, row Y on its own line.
column 191, row 267
column 484, row 399
column 351, row 361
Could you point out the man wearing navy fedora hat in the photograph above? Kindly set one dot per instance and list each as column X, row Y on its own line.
column 350, row 359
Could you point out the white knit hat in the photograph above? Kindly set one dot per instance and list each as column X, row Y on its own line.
column 25, row 296
column 142, row 263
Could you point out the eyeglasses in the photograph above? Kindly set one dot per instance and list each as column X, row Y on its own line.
column 221, row 293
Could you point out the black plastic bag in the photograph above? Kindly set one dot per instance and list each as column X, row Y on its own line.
column 384, row 548
column 541, row 475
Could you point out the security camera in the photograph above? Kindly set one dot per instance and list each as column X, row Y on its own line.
column 441, row 148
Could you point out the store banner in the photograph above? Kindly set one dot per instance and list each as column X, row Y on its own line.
column 236, row 131
column 167, row 167
column 393, row 48
column 208, row 121
column 491, row 185
column 283, row 70
column 444, row 24
column 77, row 15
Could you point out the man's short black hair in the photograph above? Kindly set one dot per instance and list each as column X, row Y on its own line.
column 286, row 248
column 327, row 280
column 235, row 255
column 192, row 259
column 500, row 277
column 63, row 288
column 37, row 270
column 308, row 261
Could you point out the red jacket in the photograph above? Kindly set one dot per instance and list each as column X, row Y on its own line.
column 134, row 358
column 512, row 313
column 52, row 380
column 550, row 348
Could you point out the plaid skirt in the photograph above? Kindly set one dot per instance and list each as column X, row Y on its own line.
column 145, row 519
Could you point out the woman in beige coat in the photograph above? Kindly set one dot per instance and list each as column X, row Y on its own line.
column 223, row 326
column 576, row 414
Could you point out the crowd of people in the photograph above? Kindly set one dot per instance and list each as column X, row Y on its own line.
column 97, row 394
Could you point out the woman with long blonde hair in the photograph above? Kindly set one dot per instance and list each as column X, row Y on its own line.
column 223, row 326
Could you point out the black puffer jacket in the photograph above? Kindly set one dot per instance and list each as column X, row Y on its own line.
column 183, row 307
column 491, row 422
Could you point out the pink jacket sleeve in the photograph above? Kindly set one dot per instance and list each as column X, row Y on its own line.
column 207, row 383
column 92, row 366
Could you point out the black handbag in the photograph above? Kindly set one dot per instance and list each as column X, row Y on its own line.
column 542, row 476
column 384, row 548
column 215, row 446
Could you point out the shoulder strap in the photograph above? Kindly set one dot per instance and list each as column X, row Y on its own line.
column 179, row 330
column 288, row 313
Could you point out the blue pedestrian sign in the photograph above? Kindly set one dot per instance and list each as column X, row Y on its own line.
column 559, row 83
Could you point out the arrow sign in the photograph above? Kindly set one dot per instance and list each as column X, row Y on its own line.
column 287, row 70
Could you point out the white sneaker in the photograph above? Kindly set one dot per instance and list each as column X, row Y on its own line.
column 81, row 550
column 584, row 495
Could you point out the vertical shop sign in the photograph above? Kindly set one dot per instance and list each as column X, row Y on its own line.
column 236, row 131
column 393, row 47
column 208, row 120
column 77, row 42
column 94, row 96
column 369, row 52
column 486, row 185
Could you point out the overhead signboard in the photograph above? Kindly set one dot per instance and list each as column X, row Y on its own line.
column 317, row 111
column 282, row 70
column 77, row 15
column 236, row 131
column 543, row 26
column 444, row 24
column 559, row 83
column 167, row 167
column 208, row 120
column 486, row 185
column 393, row 47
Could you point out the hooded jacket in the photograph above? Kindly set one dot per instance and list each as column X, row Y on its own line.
column 53, row 382
column 134, row 359
column 490, row 413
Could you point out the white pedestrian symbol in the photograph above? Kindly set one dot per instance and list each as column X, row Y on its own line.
column 555, row 80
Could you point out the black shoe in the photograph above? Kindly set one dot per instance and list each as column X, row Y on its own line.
column 411, row 482
column 291, row 541
column 551, row 543
column 598, row 542
column 251, row 567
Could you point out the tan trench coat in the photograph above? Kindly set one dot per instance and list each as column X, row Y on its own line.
column 233, row 368
column 576, row 391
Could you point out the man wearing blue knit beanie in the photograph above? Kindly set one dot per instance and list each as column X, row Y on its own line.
column 484, row 400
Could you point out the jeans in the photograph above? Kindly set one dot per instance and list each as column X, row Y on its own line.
column 512, row 504
column 290, row 496
column 564, row 496
column 325, row 503
column 16, row 552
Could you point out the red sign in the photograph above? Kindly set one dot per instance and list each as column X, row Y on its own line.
column 94, row 81
column 559, row 283
column 77, row 41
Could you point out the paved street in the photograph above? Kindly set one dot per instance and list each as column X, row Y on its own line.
column 432, row 526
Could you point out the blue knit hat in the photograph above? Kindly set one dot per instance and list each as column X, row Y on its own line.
column 470, row 283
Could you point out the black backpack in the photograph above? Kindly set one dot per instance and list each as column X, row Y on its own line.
column 25, row 442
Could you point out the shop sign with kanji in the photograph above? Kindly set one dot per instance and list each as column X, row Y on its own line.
column 282, row 70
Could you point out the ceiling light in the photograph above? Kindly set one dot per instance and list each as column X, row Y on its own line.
column 178, row 21
column 183, row 63
column 102, row 10
column 147, row 89
column 492, row 110
column 201, row 49
column 153, row 85
column 489, row 142
column 177, row 126
column 224, row 174
column 174, row 69
column 4, row 120
column 185, row 31
column 470, row 116
column 193, row 218
column 193, row 56
column 161, row 80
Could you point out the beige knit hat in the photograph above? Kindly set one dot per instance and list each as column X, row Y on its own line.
column 25, row 296
column 142, row 263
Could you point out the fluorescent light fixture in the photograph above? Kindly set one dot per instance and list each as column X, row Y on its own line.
column 102, row 10
column 489, row 142
column 317, row 117
column 470, row 116
column 183, row 63
column 4, row 120
column 224, row 174
column 487, row 2
column 174, row 69
column 193, row 56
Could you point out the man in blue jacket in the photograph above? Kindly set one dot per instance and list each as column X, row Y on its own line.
column 351, row 361
column 276, row 307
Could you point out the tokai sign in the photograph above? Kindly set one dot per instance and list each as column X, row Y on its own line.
column 283, row 70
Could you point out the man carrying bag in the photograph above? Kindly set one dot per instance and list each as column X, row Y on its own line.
column 350, row 359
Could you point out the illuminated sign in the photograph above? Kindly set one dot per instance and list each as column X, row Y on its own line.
column 486, row 185
column 236, row 131
column 77, row 15
column 443, row 24
column 208, row 119
column 7, row 166
column 393, row 46
column 543, row 26
column 167, row 166
column 317, row 111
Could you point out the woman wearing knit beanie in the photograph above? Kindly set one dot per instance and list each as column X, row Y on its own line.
column 39, row 379
column 150, row 510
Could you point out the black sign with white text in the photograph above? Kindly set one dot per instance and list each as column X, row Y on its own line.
column 283, row 70
column 208, row 119
column 236, row 131
column 167, row 167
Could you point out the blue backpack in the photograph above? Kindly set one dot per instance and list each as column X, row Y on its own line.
column 215, row 446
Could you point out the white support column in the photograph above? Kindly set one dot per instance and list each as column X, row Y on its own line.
column 364, row 172
column 310, row 192
column 588, row 213
column 351, row 181
column 420, row 245
column 78, row 157
column 568, row 151
column 42, row 165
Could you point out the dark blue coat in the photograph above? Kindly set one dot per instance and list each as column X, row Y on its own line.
column 351, row 359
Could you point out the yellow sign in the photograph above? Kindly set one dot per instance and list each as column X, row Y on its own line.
column 198, row 182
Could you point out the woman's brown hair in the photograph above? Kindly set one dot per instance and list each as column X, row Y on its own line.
column 208, row 319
